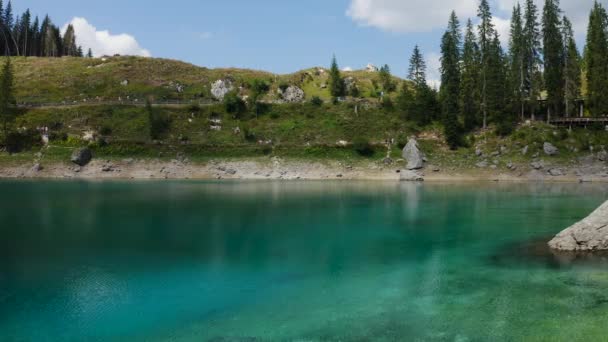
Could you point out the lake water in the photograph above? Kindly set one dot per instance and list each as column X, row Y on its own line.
column 312, row 261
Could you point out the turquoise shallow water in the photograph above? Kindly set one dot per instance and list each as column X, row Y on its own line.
column 192, row 261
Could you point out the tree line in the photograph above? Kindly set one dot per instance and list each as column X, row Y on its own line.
column 482, row 84
column 26, row 36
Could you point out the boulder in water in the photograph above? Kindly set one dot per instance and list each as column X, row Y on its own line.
column 588, row 235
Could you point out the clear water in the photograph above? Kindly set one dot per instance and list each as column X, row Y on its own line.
column 314, row 261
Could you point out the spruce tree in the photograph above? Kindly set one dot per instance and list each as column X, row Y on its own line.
column 450, row 82
column 516, row 62
column 469, row 90
column 3, row 40
column 337, row 87
column 572, row 69
column 90, row 53
column 486, row 34
column 553, row 51
column 7, row 100
column 596, row 61
column 386, row 80
column 532, row 57
column 496, row 87
column 417, row 69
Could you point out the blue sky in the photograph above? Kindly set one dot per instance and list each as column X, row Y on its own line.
column 278, row 35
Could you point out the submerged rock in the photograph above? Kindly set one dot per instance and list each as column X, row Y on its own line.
column 590, row 234
column 413, row 155
column 82, row 157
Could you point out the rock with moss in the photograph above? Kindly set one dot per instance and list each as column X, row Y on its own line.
column 588, row 235
column 220, row 88
column 292, row 94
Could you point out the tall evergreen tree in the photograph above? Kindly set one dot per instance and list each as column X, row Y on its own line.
column 596, row 61
column 497, row 85
column 516, row 61
column 417, row 69
column 469, row 90
column 450, row 81
column 90, row 53
column 25, row 33
column 69, row 42
column 486, row 34
column 7, row 100
column 553, row 50
column 572, row 69
column 532, row 57
column 337, row 87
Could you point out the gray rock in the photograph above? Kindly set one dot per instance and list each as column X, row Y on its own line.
column 37, row 167
column 220, row 88
column 511, row 166
column 602, row 156
column 524, row 150
column 478, row 152
column 388, row 161
column 231, row 172
column 550, row 150
column 537, row 165
column 588, row 235
column 350, row 83
column 413, row 155
column 482, row 164
column 495, row 154
column 292, row 94
column 556, row 172
column 410, row 176
column 82, row 157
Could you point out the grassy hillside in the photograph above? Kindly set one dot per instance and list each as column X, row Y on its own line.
column 57, row 80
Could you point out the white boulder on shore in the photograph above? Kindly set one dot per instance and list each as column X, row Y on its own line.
column 413, row 155
column 588, row 235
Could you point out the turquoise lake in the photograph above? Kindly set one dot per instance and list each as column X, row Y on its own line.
column 286, row 261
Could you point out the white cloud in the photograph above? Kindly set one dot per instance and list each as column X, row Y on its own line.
column 347, row 69
column 433, row 66
column 408, row 15
column 103, row 42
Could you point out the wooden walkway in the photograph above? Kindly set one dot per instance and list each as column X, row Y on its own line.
column 579, row 121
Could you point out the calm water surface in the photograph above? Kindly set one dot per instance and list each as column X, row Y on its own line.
column 192, row 261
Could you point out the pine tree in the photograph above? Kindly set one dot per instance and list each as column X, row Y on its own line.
column 386, row 80
column 496, row 83
column 69, row 42
column 572, row 69
column 469, row 90
column 450, row 81
column 486, row 34
column 516, row 61
column 7, row 100
column 8, row 22
column 596, row 61
column 417, row 69
column 90, row 53
column 553, row 50
column 337, row 87
column 532, row 58
column 24, row 28
column 34, row 45
column 405, row 101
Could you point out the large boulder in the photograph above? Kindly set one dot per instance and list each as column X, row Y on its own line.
column 220, row 88
column 292, row 94
column 588, row 235
column 82, row 157
column 550, row 150
column 413, row 155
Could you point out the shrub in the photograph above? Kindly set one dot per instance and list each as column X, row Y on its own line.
column 363, row 147
column 234, row 104
column 105, row 130
column 316, row 101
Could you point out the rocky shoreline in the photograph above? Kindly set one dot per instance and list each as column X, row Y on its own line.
column 281, row 169
column 588, row 235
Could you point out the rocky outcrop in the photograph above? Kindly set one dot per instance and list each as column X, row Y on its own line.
column 550, row 150
column 220, row 88
column 82, row 157
column 292, row 94
column 413, row 155
column 588, row 235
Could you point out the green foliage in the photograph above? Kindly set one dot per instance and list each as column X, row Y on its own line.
column 596, row 61
column 159, row 123
column 469, row 89
column 417, row 69
column 316, row 101
column 234, row 105
column 450, row 82
column 553, row 52
column 337, row 87
column 7, row 99
column 363, row 147
column 386, row 79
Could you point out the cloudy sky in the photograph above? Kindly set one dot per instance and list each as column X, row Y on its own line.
column 276, row 35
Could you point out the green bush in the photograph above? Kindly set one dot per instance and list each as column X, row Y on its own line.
column 234, row 104
column 363, row 147
column 316, row 101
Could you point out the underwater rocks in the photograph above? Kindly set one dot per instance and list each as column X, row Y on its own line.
column 588, row 235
